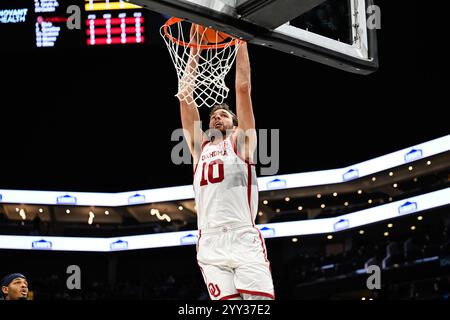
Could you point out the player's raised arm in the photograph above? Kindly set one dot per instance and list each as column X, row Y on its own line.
column 244, row 109
column 190, row 118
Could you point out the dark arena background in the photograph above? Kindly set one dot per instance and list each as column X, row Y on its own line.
column 79, row 117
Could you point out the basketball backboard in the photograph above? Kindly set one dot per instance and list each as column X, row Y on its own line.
column 331, row 32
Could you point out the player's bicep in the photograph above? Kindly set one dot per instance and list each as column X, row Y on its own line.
column 190, row 121
column 244, row 109
column 246, row 142
column 196, row 148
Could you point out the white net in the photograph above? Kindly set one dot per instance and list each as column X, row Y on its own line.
column 202, row 59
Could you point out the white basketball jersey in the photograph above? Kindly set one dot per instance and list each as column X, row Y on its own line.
column 225, row 186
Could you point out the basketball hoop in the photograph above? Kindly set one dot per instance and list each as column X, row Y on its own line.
column 201, row 61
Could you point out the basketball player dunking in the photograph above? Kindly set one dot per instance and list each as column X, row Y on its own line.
column 231, row 251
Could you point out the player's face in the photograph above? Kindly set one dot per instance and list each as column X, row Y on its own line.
column 221, row 120
column 17, row 289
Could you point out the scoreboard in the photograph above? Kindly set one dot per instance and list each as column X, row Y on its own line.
column 115, row 28
column 28, row 24
column 113, row 22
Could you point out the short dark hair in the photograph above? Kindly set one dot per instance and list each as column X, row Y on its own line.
column 226, row 107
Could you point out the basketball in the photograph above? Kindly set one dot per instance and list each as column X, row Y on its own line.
column 213, row 36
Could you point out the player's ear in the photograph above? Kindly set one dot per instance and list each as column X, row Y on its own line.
column 4, row 290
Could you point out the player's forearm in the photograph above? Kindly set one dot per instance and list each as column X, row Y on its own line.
column 189, row 109
column 187, row 81
column 244, row 108
column 192, row 65
column 243, row 80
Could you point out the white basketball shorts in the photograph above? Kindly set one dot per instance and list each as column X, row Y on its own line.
column 234, row 263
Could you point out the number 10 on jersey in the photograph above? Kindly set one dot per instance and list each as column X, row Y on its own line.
column 211, row 168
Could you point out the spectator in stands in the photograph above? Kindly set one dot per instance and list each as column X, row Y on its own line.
column 327, row 24
column 36, row 226
column 14, row 286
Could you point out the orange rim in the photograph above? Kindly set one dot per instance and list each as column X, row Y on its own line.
column 174, row 20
